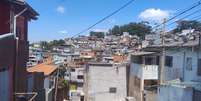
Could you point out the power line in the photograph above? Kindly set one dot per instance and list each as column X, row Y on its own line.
column 197, row 11
column 106, row 17
column 181, row 13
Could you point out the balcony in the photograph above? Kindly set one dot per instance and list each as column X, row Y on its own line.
column 146, row 72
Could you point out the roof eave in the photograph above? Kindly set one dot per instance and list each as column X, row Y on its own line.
column 33, row 12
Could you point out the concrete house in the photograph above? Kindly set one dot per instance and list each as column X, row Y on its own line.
column 142, row 74
column 76, row 78
column 35, row 56
column 105, row 82
column 182, row 72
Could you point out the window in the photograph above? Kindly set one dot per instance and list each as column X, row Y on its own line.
column 199, row 67
column 80, row 84
column 112, row 89
column 80, row 77
column 150, row 60
column 137, row 59
column 169, row 61
column 72, row 70
column 189, row 63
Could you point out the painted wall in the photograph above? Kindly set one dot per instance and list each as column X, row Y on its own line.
column 173, row 93
column 179, row 68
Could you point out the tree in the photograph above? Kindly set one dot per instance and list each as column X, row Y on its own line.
column 97, row 34
column 140, row 29
column 49, row 45
column 44, row 45
column 185, row 24
column 116, row 30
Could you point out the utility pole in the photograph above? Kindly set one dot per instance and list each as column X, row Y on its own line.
column 163, row 53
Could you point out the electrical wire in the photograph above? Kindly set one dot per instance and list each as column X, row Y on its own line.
column 179, row 14
column 197, row 11
column 106, row 17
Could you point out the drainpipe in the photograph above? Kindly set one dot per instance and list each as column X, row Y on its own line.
column 16, row 48
column 15, row 21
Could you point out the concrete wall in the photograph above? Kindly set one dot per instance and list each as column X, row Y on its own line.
column 179, row 69
column 136, row 70
column 74, row 75
column 134, row 88
column 173, row 93
column 101, row 78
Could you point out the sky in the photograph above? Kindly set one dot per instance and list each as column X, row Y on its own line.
column 60, row 19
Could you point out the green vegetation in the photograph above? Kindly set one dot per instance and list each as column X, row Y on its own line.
column 49, row 45
column 140, row 29
column 97, row 34
column 185, row 24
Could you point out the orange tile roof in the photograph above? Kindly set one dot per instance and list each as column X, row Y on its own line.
column 47, row 68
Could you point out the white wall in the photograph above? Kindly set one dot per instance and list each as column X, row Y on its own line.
column 78, row 71
column 101, row 78
column 147, row 72
column 150, row 72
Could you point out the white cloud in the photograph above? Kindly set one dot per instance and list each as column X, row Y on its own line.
column 155, row 15
column 63, row 32
column 100, row 30
column 61, row 9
